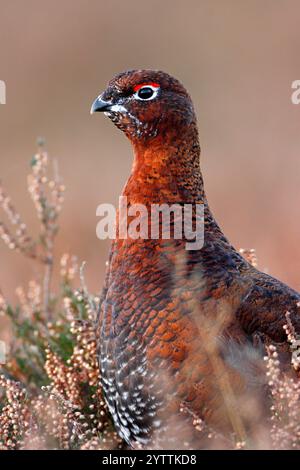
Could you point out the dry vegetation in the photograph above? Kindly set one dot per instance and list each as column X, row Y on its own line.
column 50, row 396
column 49, row 388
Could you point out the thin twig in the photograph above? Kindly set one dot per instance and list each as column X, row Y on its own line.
column 85, row 289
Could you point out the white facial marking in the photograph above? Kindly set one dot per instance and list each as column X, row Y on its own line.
column 118, row 108
column 153, row 88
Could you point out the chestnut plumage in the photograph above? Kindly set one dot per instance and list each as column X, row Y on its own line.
column 161, row 303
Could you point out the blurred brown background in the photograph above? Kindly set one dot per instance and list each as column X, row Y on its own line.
column 237, row 59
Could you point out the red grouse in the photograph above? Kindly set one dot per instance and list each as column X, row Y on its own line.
column 161, row 303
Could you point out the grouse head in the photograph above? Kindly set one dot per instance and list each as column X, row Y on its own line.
column 146, row 104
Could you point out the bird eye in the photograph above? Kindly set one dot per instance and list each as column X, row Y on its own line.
column 147, row 92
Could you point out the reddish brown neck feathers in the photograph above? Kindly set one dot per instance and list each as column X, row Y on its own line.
column 167, row 169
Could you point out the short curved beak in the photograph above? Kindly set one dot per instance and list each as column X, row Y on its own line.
column 99, row 105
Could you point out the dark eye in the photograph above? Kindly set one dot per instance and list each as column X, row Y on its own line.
column 145, row 93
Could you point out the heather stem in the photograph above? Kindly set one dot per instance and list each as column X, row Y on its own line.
column 47, row 285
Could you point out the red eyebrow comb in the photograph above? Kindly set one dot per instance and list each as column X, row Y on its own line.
column 138, row 87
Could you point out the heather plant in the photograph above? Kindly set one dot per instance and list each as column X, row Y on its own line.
column 50, row 395
column 50, row 392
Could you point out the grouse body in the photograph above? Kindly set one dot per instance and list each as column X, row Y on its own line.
column 163, row 306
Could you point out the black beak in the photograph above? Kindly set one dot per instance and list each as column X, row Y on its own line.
column 99, row 106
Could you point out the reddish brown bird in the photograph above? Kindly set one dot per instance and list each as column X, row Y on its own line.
column 171, row 318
